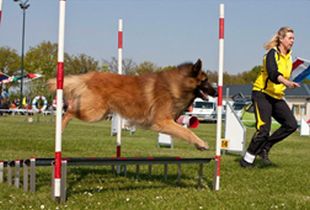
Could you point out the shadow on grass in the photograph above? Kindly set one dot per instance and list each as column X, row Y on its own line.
column 81, row 179
column 122, row 181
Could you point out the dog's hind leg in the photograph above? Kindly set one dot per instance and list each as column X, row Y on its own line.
column 172, row 128
column 65, row 120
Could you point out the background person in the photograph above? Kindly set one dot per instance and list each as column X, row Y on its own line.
column 267, row 97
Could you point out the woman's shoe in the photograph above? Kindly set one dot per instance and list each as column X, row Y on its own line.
column 245, row 164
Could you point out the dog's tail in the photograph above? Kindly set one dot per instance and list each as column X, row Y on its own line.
column 74, row 85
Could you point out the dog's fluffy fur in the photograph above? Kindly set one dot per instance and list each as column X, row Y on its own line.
column 152, row 100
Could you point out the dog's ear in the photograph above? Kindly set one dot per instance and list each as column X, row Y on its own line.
column 197, row 68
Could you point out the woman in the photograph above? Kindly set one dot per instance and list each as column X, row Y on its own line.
column 267, row 96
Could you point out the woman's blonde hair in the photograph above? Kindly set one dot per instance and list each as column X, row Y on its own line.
column 275, row 40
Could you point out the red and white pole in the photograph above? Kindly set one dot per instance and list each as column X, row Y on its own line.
column 219, row 100
column 59, row 95
column 0, row 10
column 120, row 71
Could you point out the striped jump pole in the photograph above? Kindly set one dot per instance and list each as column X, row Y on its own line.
column 220, row 101
column 120, row 71
column 59, row 100
column 1, row 1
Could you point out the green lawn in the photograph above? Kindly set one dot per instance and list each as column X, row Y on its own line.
column 283, row 186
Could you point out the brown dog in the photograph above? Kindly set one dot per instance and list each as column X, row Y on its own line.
column 152, row 100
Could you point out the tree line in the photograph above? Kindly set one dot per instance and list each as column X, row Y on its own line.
column 42, row 59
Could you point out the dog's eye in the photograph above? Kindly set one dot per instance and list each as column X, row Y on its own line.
column 204, row 81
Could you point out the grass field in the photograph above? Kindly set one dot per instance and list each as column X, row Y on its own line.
column 283, row 186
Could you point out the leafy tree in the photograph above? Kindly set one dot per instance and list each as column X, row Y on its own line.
column 128, row 65
column 146, row 67
column 111, row 65
column 9, row 60
column 80, row 64
column 167, row 68
column 9, row 63
column 250, row 76
column 212, row 76
column 247, row 77
column 42, row 59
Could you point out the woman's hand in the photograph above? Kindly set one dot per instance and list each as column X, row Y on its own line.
column 291, row 84
column 288, row 83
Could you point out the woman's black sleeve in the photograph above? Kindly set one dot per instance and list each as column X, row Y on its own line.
column 272, row 67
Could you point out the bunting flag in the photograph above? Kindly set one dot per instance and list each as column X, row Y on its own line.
column 300, row 70
column 33, row 76
column 4, row 78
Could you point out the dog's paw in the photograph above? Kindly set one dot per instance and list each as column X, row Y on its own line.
column 202, row 147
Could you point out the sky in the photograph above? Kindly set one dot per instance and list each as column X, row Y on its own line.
column 165, row 32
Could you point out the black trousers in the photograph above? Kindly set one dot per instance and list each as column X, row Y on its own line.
column 266, row 107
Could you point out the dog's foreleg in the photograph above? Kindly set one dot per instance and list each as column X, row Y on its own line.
column 174, row 129
column 65, row 120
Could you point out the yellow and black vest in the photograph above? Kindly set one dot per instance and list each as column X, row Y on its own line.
column 274, row 64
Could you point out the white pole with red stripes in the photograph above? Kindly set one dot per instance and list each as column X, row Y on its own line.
column 59, row 95
column 220, row 100
column 120, row 71
column 0, row 10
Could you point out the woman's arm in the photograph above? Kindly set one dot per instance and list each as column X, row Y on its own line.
column 287, row 83
column 272, row 67
column 274, row 75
